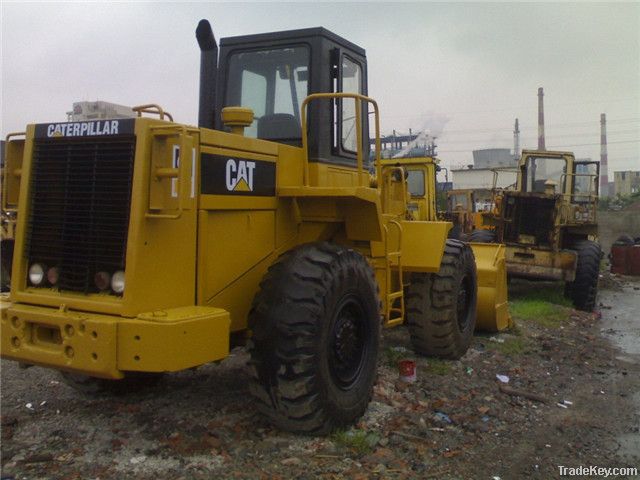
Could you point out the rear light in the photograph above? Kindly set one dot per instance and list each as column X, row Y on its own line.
column 102, row 280
column 52, row 275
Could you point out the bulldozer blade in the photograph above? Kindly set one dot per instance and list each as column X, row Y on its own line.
column 493, row 307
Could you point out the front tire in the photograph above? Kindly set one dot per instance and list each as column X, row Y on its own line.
column 441, row 307
column 482, row 236
column 584, row 288
column 316, row 326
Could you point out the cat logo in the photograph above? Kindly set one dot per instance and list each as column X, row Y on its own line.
column 240, row 175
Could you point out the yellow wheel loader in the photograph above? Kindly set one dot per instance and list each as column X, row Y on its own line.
column 463, row 211
column 146, row 246
column 549, row 225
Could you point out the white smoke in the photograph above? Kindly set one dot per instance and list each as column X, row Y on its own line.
column 430, row 127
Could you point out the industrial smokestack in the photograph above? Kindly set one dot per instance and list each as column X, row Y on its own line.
column 516, row 141
column 604, row 176
column 208, row 73
column 540, row 120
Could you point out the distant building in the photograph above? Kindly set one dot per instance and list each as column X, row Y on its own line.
column 98, row 110
column 493, row 157
column 626, row 183
column 481, row 178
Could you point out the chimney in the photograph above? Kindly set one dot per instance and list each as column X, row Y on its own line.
column 540, row 120
column 516, row 141
column 604, row 176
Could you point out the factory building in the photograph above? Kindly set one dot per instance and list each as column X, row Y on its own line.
column 479, row 175
column 627, row 182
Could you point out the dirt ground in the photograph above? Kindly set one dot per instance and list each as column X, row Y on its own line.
column 572, row 399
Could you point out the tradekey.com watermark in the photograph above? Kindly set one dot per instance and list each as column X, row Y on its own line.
column 595, row 471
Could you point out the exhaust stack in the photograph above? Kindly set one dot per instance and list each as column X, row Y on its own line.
column 208, row 73
column 604, row 176
column 516, row 141
column 541, row 145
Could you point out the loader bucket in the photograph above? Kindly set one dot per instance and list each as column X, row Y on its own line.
column 493, row 308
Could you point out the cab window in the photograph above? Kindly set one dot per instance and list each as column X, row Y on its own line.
column 351, row 83
column 273, row 83
column 585, row 181
column 540, row 170
column 415, row 183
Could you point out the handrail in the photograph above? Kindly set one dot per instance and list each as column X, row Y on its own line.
column 355, row 96
column 164, row 172
column 588, row 194
column 152, row 108
column 5, row 175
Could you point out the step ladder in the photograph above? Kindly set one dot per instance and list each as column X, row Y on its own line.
column 393, row 314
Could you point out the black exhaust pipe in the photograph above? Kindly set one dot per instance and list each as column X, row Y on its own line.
column 208, row 74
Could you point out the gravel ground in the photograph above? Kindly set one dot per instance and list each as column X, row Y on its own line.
column 572, row 399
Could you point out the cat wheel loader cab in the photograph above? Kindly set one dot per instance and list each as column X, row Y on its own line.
column 146, row 246
column 549, row 223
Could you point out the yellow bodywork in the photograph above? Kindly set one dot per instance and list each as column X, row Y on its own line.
column 532, row 262
column 106, row 345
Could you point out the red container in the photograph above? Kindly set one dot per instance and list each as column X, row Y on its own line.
column 634, row 260
column 620, row 259
column 407, row 370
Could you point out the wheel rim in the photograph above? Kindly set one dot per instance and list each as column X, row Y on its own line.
column 348, row 343
column 463, row 302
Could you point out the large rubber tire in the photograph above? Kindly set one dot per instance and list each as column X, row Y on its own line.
column 441, row 307
column 482, row 236
column 316, row 327
column 455, row 232
column 134, row 382
column 584, row 288
column 624, row 239
column 6, row 258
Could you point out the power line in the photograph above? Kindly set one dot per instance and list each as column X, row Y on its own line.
column 531, row 107
column 553, row 125
column 610, row 134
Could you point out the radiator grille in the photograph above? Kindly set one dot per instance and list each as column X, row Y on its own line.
column 80, row 203
column 529, row 215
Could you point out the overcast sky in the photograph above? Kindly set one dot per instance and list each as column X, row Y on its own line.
column 464, row 71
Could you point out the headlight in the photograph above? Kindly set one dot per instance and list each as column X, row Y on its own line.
column 102, row 280
column 52, row 275
column 117, row 282
column 36, row 274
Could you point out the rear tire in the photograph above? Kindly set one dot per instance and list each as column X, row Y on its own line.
column 316, row 326
column 482, row 236
column 441, row 307
column 584, row 288
column 455, row 232
column 624, row 239
column 6, row 258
